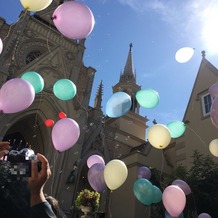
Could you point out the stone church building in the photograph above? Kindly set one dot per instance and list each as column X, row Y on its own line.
column 34, row 44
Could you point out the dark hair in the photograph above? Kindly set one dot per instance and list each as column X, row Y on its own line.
column 54, row 204
column 14, row 194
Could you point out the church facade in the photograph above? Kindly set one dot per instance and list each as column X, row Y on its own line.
column 33, row 44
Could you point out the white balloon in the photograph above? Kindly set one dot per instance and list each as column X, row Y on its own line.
column 184, row 54
column 1, row 45
column 213, row 147
column 159, row 136
column 115, row 174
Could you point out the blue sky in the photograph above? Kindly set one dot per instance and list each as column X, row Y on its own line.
column 157, row 30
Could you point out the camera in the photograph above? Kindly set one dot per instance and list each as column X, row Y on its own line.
column 20, row 161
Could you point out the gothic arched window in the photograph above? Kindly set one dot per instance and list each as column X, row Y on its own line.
column 32, row 56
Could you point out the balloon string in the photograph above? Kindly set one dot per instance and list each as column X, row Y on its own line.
column 109, row 204
column 53, row 171
column 49, row 32
column 102, row 134
column 162, row 166
column 21, row 18
column 194, row 202
column 148, row 211
column 77, row 98
column 198, row 136
column 40, row 102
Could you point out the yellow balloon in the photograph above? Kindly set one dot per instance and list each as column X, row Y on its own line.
column 159, row 136
column 35, row 5
column 115, row 174
column 213, row 147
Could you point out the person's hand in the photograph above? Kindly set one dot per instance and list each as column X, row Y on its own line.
column 38, row 180
column 4, row 146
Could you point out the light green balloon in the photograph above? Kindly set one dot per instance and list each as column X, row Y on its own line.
column 64, row 89
column 147, row 98
column 35, row 79
column 176, row 128
column 157, row 194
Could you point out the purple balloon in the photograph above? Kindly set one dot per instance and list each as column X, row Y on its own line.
column 96, row 177
column 65, row 134
column 143, row 172
column 73, row 19
column 213, row 90
column 93, row 159
column 16, row 95
column 183, row 185
column 214, row 113
column 204, row 215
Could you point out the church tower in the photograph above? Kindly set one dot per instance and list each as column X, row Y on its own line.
column 116, row 138
column 127, row 82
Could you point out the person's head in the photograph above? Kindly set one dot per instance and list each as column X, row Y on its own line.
column 54, row 204
column 14, row 194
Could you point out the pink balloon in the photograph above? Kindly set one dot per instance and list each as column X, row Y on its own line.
column 65, row 134
column 74, row 19
column 174, row 200
column 93, row 159
column 214, row 113
column 1, row 45
column 16, row 95
column 183, row 185
column 213, row 90
column 204, row 215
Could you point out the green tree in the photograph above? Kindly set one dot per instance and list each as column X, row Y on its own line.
column 203, row 181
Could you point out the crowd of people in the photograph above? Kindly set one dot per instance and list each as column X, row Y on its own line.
column 24, row 197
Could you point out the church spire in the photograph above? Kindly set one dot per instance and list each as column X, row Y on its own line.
column 98, row 97
column 128, row 74
column 127, row 82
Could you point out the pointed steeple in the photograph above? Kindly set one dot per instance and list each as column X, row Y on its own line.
column 127, row 82
column 128, row 74
column 203, row 54
column 98, row 97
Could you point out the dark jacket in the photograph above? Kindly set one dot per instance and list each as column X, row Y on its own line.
column 42, row 210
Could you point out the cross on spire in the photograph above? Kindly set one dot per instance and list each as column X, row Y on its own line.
column 130, row 46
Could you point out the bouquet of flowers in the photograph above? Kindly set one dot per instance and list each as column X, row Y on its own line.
column 88, row 198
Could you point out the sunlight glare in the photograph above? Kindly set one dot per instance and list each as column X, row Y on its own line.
column 210, row 30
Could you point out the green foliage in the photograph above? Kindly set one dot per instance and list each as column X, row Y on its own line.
column 88, row 198
column 203, row 181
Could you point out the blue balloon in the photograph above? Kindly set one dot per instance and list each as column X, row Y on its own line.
column 143, row 190
column 118, row 104
column 157, row 194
